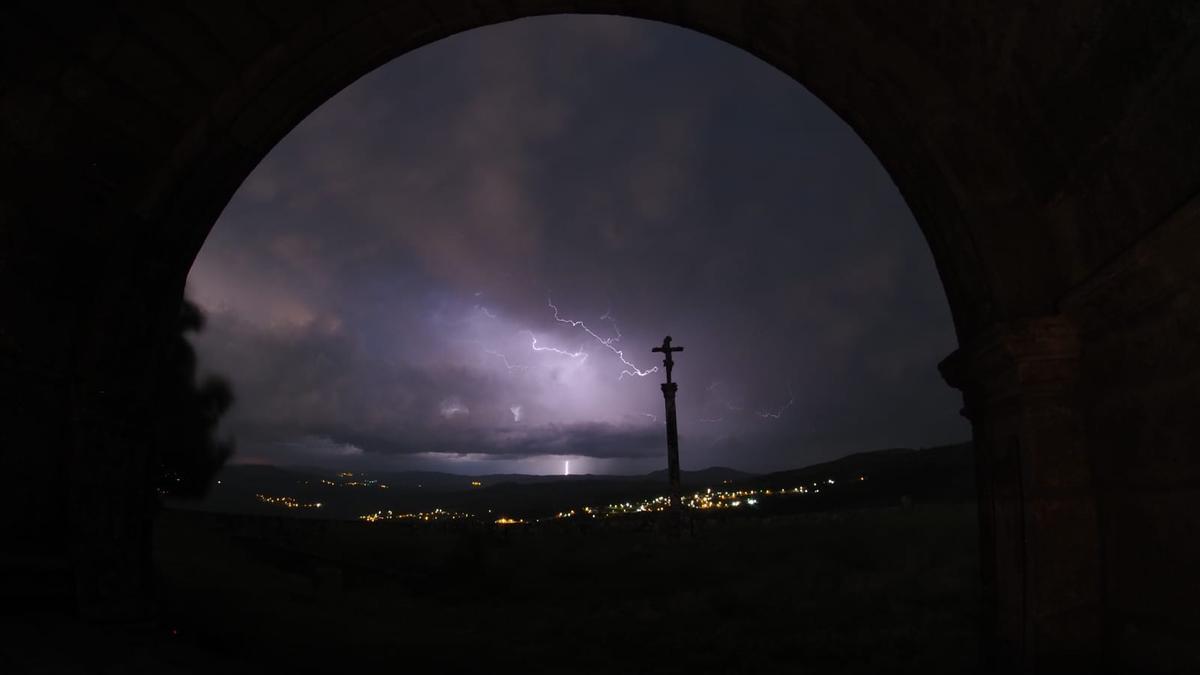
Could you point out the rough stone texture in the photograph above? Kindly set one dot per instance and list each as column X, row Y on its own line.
column 1050, row 152
column 1037, row 504
column 1140, row 319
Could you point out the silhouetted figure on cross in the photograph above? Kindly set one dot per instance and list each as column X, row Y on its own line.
column 668, row 389
column 666, row 349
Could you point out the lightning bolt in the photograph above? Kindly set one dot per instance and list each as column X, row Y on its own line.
column 779, row 412
column 538, row 348
column 485, row 311
column 616, row 329
column 653, row 418
column 511, row 366
column 772, row 414
column 713, row 389
column 492, row 352
column 630, row 369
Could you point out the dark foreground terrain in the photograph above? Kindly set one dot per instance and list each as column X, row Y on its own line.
column 870, row 591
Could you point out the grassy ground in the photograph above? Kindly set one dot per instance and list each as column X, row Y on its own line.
column 878, row 591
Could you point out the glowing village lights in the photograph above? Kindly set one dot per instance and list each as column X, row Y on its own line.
column 288, row 502
column 423, row 516
column 702, row 500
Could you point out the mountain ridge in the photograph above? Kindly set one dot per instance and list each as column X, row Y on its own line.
column 888, row 476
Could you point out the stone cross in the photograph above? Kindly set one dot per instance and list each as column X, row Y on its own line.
column 666, row 349
column 668, row 389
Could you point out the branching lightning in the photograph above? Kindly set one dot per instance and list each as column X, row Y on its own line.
column 773, row 414
column 630, row 369
column 721, row 399
column 579, row 354
column 776, row 414
column 616, row 329
column 510, row 366
column 608, row 343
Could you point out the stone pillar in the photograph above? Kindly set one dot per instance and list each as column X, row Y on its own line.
column 123, row 330
column 1040, row 549
column 668, row 390
column 112, row 512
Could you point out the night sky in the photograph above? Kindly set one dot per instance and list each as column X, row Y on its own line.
column 381, row 291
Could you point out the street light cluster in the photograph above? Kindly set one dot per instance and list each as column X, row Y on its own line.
column 707, row 499
column 365, row 482
column 289, row 502
column 701, row 500
column 424, row 516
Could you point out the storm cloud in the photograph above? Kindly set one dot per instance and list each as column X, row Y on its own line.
column 383, row 289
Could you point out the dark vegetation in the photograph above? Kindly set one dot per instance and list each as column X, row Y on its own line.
column 188, row 409
column 878, row 577
column 885, row 590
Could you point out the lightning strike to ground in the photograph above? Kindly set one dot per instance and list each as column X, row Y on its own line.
column 630, row 369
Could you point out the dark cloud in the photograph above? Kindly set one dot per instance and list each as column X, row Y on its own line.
column 377, row 287
column 588, row 439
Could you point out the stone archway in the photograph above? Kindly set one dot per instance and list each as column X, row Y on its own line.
column 1050, row 155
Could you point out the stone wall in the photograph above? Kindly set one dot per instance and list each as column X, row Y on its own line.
column 1139, row 321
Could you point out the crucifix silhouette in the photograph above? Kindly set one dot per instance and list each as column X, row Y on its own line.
column 668, row 389
column 666, row 349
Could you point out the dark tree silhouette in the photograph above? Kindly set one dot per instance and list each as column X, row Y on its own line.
column 187, row 454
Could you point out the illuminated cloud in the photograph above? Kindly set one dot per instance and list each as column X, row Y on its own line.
column 380, row 281
column 453, row 407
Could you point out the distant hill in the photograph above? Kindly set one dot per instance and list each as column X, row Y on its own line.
column 946, row 470
column 713, row 475
column 512, row 494
column 883, row 477
column 871, row 478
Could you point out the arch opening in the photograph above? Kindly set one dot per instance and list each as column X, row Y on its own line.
column 1049, row 156
column 479, row 277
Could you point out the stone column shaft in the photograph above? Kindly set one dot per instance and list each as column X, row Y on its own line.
column 1040, row 549
column 668, row 390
